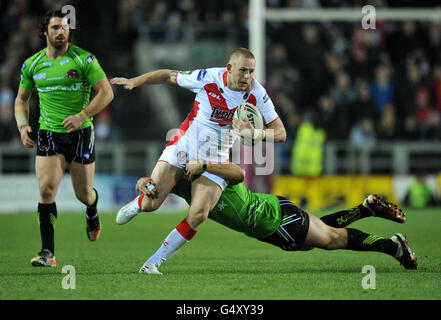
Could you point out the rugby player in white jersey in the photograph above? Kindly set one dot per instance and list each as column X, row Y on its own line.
column 205, row 135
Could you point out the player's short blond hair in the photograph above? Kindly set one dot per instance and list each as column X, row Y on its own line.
column 241, row 52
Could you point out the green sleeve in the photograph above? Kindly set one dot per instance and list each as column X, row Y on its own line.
column 26, row 82
column 93, row 70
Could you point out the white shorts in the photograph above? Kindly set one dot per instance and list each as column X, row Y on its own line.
column 177, row 158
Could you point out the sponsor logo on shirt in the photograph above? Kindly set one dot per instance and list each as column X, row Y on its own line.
column 90, row 58
column 47, row 63
column 73, row 87
column 222, row 115
column 43, row 148
column 201, row 74
column 39, row 76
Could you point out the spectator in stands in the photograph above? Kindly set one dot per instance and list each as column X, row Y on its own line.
column 420, row 194
column 329, row 120
column 387, row 126
column 8, row 128
column 308, row 58
column 363, row 134
column 104, row 130
column 382, row 88
column 363, row 106
column 407, row 89
column 437, row 88
column 343, row 96
column 423, row 112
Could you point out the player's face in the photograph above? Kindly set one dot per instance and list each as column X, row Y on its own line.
column 240, row 73
column 57, row 32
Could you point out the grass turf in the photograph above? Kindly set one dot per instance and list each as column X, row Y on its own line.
column 218, row 263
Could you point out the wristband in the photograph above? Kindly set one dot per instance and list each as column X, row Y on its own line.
column 256, row 134
column 82, row 115
column 22, row 119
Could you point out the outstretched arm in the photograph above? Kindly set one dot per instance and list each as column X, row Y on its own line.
column 149, row 78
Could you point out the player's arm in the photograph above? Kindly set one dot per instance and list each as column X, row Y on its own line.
column 104, row 95
column 21, row 110
column 227, row 170
column 149, row 78
column 275, row 131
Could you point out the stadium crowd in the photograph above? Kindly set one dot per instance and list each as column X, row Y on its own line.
column 356, row 84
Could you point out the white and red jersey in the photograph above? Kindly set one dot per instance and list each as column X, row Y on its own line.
column 206, row 133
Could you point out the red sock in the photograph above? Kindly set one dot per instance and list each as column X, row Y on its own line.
column 185, row 230
column 140, row 200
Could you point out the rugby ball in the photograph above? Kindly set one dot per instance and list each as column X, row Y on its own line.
column 252, row 114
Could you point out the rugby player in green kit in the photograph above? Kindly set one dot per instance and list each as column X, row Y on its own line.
column 63, row 74
column 276, row 220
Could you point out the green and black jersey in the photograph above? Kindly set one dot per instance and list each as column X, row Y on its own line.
column 258, row 215
column 63, row 85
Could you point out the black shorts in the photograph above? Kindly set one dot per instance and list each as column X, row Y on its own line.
column 78, row 146
column 291, row 233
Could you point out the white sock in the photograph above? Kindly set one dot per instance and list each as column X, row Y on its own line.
column 172, row 243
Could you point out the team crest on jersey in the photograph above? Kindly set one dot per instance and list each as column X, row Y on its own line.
column 182, row 157
column 72, row 73
column 90, row 58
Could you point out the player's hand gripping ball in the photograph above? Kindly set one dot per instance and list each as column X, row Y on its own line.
column 246, row 119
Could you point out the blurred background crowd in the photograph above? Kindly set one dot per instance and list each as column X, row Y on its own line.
column 357, row 85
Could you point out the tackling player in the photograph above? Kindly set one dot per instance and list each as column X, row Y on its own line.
column 63, row 75
column 276, row 220
column 205, row 134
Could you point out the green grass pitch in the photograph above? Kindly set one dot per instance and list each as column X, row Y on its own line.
column 217, row 264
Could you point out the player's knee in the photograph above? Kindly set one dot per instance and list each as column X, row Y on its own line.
column 149, row 204
column 334, row 239
column 197, row 218
column 48, row 191
column 85, row 195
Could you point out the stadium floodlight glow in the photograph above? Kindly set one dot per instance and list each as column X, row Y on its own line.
column 259, row 15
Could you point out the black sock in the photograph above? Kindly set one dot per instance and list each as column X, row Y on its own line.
column 47, row 218
column 92, row 212
column 360, row 241
column 345, row 217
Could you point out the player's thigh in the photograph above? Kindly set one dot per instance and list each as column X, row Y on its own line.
column 165, row 176
column 204, row 195
column 82, row 176
column 319, row 234
column 49, row 171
